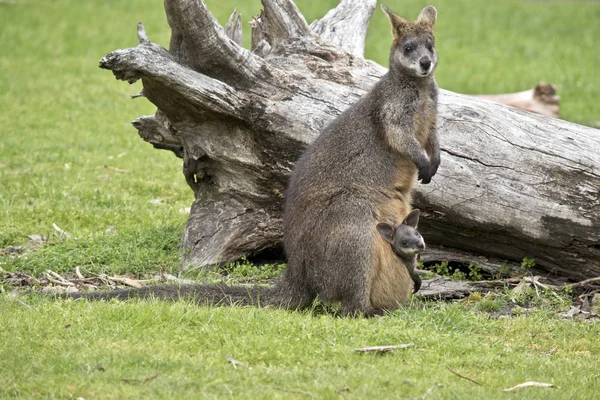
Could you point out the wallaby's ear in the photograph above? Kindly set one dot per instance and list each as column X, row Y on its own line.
column 386, row 231
column 427, row 16
column 399, row 24
column 412, row 219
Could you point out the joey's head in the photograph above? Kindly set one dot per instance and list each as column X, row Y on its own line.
column 413, row 50
column 406, row 241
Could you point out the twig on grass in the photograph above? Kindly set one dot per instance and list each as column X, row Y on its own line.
column 58, row 282
column 60, row 232
column 289, row 390
column 383, row 349
column 57, row 276
column 464, row 377
column 78, row 273
column 235, row 362
column 144, row 380
column 532, row 384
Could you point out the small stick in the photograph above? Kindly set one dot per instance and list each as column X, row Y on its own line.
column 148, row 379
column 235, row 362
column 581, row 283
column 289, row 390
column 464, row 377
column 60, row 282
column 383, row 349
column 57, row 276
column 78, row 273
column 60, row 232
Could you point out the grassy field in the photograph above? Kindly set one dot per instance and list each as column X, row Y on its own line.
column 69, row 156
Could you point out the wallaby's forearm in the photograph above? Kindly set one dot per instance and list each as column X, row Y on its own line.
column 405, row 143
column 432, row 148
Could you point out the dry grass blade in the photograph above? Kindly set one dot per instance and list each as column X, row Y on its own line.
column 383, row 349
column 532, row 384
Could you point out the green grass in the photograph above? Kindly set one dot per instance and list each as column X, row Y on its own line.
column 66, row 136
column 78, row 349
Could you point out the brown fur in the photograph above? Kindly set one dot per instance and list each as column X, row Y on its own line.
column 391, row 283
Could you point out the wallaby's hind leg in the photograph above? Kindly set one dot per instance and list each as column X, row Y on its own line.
column 351, row 308
column 292, row 291
column 343, row 267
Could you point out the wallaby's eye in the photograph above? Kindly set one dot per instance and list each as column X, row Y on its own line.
column 404, row 242
column 417, row 234
column 429, row 45
column 408, row 49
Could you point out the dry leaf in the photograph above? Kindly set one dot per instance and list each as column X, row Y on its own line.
column 532, row 384
column 383, row 349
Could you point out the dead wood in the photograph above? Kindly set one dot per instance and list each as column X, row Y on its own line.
column 542, row 99
column 512, row 184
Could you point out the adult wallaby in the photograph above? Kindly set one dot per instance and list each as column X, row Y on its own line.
column 360, row 171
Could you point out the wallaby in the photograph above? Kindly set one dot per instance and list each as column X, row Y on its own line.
column 406, row 242
column 359, row 171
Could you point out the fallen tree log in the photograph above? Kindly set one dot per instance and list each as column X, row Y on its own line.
column 542, row 99
column 512, row 184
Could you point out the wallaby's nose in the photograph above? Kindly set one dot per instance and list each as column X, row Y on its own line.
column 425, row 63
column 421, row 246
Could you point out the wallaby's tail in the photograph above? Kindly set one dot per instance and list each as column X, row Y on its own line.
column 219, row 294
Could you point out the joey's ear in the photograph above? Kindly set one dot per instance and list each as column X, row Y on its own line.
column 427, row 16
column 399, row 24
column 412, row 219
column 386, row 231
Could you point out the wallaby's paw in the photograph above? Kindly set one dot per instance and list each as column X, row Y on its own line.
column 416, row 283
column 435, row 163
column 424, row 175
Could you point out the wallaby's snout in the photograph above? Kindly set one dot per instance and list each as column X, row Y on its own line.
column 425, row 64
column 421, row 246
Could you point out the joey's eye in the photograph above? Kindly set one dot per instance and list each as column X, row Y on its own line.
column 417, row 234
column 404, row 242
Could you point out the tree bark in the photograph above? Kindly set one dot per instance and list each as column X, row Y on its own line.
column 512, row 184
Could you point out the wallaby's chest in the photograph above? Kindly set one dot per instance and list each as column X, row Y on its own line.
column 424, row 118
